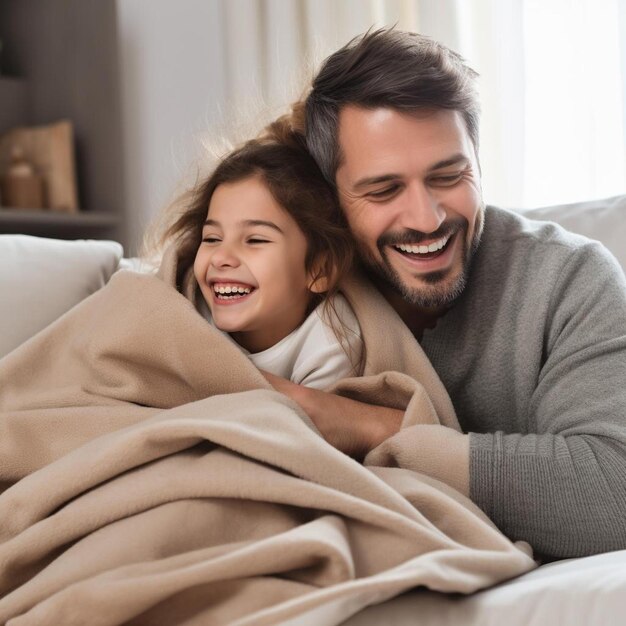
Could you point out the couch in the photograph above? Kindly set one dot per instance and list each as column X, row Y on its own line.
column 41, row 279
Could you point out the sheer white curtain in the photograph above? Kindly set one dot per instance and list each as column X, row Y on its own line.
column 274, row 46
column 574, row 100
column 553, row 90
column 552, row 78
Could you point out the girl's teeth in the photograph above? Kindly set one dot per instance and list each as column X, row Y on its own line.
column 236, row 289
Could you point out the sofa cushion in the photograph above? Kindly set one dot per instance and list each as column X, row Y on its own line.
column 603, row 220
column 576, row 592
column 43, row 278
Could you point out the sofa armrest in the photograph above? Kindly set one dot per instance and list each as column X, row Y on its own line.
column 603, row 220
column 41, row 279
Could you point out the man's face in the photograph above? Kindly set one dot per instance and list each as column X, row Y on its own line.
column 410, row 188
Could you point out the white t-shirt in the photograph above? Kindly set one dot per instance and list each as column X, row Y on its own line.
column 312, row 355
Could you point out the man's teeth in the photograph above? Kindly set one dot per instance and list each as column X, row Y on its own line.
column 415, row 249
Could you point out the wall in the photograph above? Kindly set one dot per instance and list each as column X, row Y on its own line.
column 172, row 83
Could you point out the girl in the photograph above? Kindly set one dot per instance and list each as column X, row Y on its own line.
column 269, row 245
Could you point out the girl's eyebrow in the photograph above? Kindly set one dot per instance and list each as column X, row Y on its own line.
column 263, row 223
column 210, row 222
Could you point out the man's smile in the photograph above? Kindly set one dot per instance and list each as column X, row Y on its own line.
column 423, row 249
column 435, row 256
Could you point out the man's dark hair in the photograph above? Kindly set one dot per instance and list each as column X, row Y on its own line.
column 386, row 68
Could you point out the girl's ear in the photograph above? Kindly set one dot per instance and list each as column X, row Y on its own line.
column 319, row 284
column 318, row 277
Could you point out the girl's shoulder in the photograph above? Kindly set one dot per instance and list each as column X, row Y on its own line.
column 337, row 310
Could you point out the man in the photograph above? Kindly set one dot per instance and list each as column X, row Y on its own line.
column 524, row 323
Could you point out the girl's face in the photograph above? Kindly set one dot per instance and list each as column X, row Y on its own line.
column 250, row 265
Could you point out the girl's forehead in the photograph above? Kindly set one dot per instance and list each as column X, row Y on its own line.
column 244, row 201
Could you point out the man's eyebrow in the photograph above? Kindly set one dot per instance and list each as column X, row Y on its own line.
column 374, row 180
column 210, row 222
column 453, row 160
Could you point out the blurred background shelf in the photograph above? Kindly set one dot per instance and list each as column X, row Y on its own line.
column 60, row 62
column 13, row 99
column 43, row 222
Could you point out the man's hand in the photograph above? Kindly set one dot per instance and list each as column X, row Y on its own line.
column 353, row 427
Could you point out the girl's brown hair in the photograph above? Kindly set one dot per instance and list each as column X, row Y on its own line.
column 280, row 159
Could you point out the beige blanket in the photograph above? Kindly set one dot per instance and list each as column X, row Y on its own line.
column 151, row 476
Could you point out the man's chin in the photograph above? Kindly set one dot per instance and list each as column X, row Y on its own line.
column 432, row 290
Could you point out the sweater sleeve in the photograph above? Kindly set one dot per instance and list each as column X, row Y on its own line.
column 563, row 487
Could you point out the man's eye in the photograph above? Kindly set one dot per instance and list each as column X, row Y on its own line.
column 447, row 181
column 381, row 194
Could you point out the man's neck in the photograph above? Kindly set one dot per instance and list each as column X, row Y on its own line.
column 417, row 319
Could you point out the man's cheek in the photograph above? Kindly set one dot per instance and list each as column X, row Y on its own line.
column 367, row 239
column 357, row 226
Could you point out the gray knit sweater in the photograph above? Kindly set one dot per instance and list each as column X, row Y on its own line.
column 533, row 355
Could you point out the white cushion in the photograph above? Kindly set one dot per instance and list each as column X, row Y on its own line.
column 40, row 279
column 575, row 592
column 603, row 220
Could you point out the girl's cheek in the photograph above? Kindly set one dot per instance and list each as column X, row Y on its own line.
column 199, row 266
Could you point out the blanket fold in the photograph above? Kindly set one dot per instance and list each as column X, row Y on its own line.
column 152, row 476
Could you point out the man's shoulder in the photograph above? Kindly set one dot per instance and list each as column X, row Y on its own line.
column 524, row 250
column 505, row 227
column 512, row 236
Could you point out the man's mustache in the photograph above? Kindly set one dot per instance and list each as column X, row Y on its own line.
column 410, row 236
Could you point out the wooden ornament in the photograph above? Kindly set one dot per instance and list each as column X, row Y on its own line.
column 50, row 149
column 22, row 187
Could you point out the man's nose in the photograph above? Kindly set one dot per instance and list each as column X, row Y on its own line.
column 422, row 210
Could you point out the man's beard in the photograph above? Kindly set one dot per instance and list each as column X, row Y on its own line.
column 439, row 290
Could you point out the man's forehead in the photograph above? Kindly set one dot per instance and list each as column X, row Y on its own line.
column 382, row 113
column 372, row 141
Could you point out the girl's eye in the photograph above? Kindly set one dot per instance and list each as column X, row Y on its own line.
column 210, row 239
column 257, row 240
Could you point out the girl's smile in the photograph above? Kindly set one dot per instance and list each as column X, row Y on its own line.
column 231, row 292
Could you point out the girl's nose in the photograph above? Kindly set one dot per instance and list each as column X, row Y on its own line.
column 224, row 256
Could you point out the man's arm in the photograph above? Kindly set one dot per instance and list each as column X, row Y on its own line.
column 356, row 428
column 560, row 484
column 353, row 427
